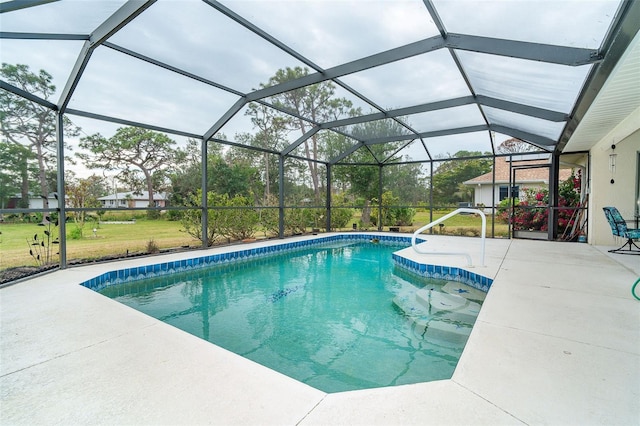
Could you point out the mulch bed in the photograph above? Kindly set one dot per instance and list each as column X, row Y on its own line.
column 20, row 272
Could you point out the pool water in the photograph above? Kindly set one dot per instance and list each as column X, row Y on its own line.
column 337, row 317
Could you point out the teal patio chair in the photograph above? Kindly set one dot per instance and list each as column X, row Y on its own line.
column 619, row 229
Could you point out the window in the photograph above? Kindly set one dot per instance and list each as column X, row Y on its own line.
column 504, row 192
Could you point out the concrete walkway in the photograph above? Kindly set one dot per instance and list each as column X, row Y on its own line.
column 557, row 342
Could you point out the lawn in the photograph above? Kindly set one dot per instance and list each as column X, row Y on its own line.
column 468, row 225
column 109, row 240
column 120, row 239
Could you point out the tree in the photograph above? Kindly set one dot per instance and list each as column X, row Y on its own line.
column 515, row 146
column 408, row 181
column 31, row 125
column 134, row 150
column 83, row 193
column 15, row 168
column 316, row 103
column 450, row 174
column 272, row 128
column 228, row 175
column 363, row 180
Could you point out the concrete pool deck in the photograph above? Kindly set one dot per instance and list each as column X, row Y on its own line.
column 557, row 342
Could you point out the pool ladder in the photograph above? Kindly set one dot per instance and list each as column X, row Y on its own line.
column 442, row 219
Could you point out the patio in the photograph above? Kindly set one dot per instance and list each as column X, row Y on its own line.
column 557, row 342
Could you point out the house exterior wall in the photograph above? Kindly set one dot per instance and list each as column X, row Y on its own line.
column 126, row 200
column 622, row 193
column 38, row 203
column 129, row 203
column 110, row 204
column 482, row 193
column 145, row 203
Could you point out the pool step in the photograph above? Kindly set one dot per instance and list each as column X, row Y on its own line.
column 465, row 291
column 439, row 315
column 449, row 306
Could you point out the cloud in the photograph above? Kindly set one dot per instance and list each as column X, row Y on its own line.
column 194, row 36
column 116, row 85
column 449, row 118
column 55, row 57
column 68, row 17
column 421, row 79
column 202, row 41
column 538, row 84
column 575, row 23
column 333, row 32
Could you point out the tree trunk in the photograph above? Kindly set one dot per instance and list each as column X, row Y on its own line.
column 267, row 187
column 44, row 188
column 313, row 171
column 24, row 189
column 366, row 214
column 147, row 177
column 312, row 164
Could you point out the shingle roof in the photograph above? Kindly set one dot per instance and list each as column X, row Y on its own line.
column 540, row 175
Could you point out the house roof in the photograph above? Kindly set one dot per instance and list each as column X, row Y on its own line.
column 134, row 195
column 31, row 195
column 534, row 175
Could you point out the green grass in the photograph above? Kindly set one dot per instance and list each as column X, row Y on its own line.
column 456, row 225
column 118, row 239
column 108, row 240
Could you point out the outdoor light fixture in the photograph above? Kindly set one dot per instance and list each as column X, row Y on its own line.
column 612, row 162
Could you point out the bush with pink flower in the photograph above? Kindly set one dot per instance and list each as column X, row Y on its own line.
column 531, row 212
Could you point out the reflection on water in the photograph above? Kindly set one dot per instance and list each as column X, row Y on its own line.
column 335, row 317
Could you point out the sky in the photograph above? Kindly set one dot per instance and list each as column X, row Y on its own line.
column 193, row 36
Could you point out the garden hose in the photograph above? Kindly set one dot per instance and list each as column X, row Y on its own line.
column 633, row 289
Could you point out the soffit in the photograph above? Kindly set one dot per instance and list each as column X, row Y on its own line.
column 619, row 97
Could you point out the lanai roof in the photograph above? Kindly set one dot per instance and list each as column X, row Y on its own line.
column 447, row 77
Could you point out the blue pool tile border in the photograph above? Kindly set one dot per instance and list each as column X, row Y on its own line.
column 449, row 273
column 121, row 276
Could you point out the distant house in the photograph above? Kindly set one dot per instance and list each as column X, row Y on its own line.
column 133, row 199
column 525, row 178
column 35, row 202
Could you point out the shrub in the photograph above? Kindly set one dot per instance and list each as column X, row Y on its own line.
column 532, row 212
column 270, row 217
column 240, row 221
column 174, row 215
column 295, row 221
column 315, row 217
column 403, row 216
column 392, row 216
column 152, row 246
column 75, row 233
column 340, row 217
column 153, row 214
column 192, row 219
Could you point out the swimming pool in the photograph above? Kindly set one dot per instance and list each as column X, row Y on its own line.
column 336, row 315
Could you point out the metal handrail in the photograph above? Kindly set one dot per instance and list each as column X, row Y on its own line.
column 442, row 219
